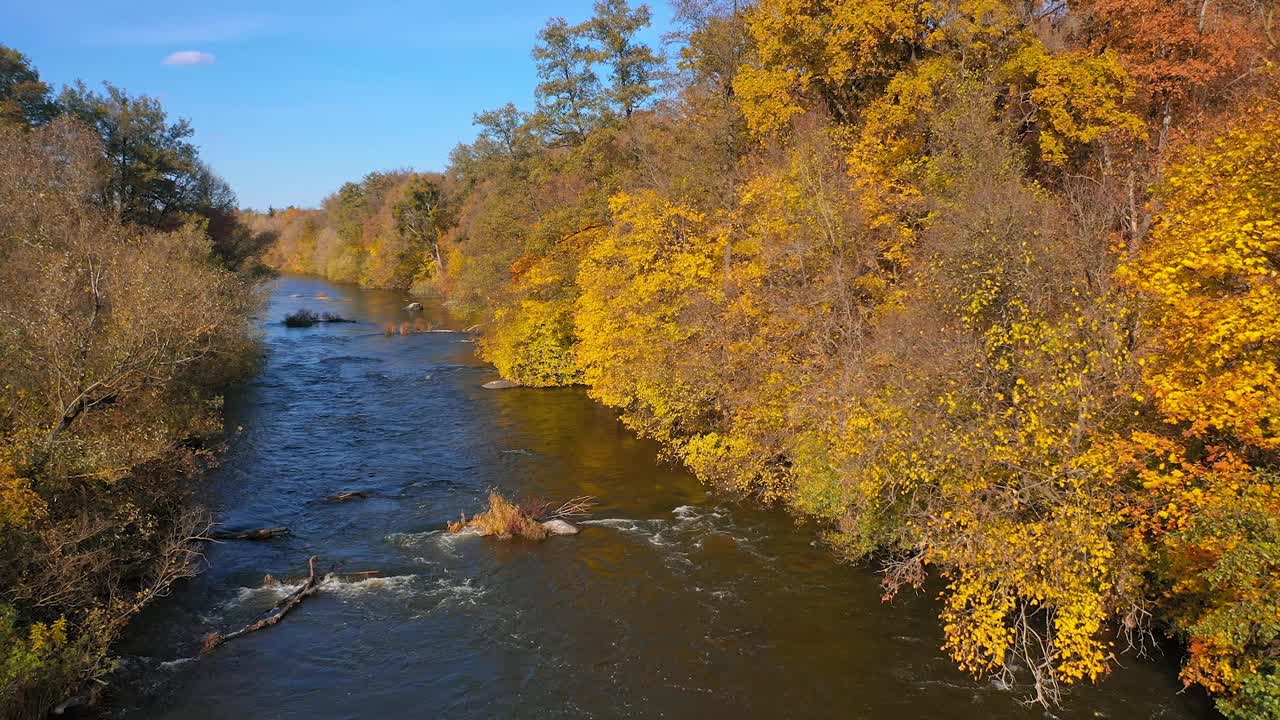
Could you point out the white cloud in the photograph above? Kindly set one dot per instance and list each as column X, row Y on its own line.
column 189, row 57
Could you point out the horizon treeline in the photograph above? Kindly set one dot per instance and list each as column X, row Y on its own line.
column 129, row 292
column 986, row 290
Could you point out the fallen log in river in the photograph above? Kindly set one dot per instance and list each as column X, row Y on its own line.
column 275, row 615
column 255, row 534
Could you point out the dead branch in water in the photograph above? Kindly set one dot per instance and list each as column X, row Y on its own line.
column 347, row 496
column 88, row 698
column 282, row 608
column 255, row 534
column 271, row 581
column 357, row 573
column 570, row 509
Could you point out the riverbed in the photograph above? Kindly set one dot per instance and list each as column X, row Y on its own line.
column 673, row 602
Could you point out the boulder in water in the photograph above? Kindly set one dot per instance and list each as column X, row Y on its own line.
column 560, row 527
column 413, row 307
column 500, row 385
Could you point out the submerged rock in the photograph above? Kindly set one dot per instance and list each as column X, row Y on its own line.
column 500, row 385
column 559, row 527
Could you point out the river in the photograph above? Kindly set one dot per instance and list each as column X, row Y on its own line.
column 672, row 603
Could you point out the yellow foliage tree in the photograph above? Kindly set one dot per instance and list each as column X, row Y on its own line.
column 1207, row 502
column 1211, row 271
column 533, row 343
column 1078, row 98
column 639, row 282
column 827, row 52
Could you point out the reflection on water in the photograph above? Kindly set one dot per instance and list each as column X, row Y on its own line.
column 671, row 602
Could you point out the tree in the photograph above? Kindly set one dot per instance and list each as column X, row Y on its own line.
column 568, row 95
column 152, row 160
column 1076, row 98
column 421, row 215
column 633, row 67
column 503, row 130
column 832, row 54
column 1180, row 54
column 1210, row 271
column 156, row 177
column 1206, row 502
column 715, row 41
column 24, row 98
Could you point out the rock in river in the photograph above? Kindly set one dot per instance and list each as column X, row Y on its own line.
column 559, row 527
column 413, row 307
column 500, row 385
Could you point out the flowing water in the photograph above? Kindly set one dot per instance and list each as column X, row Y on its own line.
column 671, row 603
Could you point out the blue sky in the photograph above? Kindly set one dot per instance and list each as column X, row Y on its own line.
column 291, row 99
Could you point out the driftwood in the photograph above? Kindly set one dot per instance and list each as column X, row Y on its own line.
column 357, row 573
column 275, row 615
column 255, row 534
column 269, row 581
column 346, row 496
column 572, row 509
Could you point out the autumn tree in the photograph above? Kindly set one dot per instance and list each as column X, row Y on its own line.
column 1209, row 509
column 1211, row 268
column 24, row 98
column 504, row 130
column 714, row 38
column 832, row 54
column 1181, row 55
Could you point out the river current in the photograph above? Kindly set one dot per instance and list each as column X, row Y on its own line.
column 673, row 602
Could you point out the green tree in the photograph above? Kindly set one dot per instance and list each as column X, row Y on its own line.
column 421, row 215
column 634, row 67
column 713, row 34
column 503, row 131
column 152, row 162
column 569, row 95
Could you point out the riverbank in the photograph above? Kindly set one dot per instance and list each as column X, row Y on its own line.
column 118, row 341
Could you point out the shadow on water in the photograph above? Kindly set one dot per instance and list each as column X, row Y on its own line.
column 671, row 603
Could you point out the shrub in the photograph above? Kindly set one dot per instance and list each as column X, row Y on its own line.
column 534, row 344
column 307, row 318
column 504, row 520
column 301, row 318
